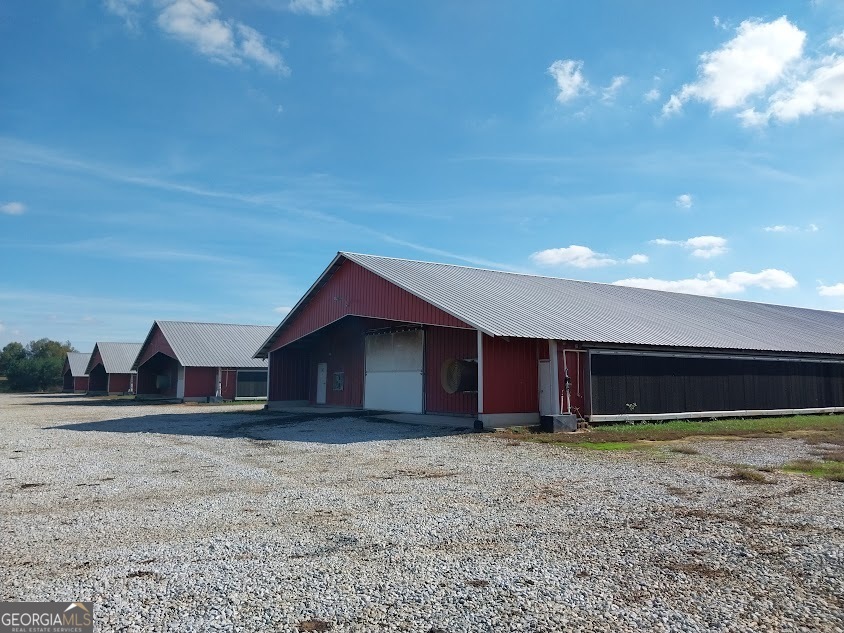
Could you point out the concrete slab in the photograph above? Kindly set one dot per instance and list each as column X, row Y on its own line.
column 450, row 421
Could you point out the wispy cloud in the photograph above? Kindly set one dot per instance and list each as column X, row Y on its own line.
column 609, row 93
column 712, row 285
column 581, row 257
column 703, row 246
column 568, row 75
column 790, row 228
column 36, row 155
column 127, row 10
column 13, row 208
column 315, row 7
column 198, row 23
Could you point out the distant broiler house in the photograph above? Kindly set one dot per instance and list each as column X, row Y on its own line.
column 75, row 372
column 191, row 361
column 399, row 335
column 110, row 368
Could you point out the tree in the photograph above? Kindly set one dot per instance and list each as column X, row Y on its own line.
column 36, row 367
column 9, row 354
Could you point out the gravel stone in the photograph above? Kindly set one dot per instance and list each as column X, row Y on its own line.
column 229, row 518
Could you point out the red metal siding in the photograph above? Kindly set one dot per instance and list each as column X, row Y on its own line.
column 353, row 290
column 577, row 373
column 289, row 371
column 228, row 384
column 119, row 383
column 96, row 359
column 156, row 344
column 511, row 375
column 200, row 382
column 80, row 383
column 442, row 344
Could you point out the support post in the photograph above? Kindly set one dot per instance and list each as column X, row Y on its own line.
column 555, row 373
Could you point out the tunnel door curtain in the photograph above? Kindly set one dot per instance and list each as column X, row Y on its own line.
column 251, row 384
column 395, row 371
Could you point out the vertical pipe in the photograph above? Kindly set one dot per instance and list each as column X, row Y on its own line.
column 480, row 372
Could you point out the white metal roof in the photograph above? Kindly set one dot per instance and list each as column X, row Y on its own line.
column 78, row 363
column 214, row 344
column 117, row 357
column 518, row 305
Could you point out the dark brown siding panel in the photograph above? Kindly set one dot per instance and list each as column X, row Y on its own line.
column 661, row 384
column 511, row 375
column 162, row 365
column 353, row 290
column 342, row 348
column 98, row 379
column 289, row 374
column 443, row 344
column 200, row 382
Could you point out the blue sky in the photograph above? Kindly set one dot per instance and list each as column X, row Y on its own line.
column 188, row 159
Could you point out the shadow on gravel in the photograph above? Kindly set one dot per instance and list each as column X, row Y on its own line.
column 268, row 427
column 75, row 399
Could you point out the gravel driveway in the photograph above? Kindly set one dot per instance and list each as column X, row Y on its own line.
column 196, row 518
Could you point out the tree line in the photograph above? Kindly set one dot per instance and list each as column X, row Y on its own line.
column 34, row 367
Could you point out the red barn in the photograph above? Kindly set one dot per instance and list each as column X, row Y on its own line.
column 202, row 361
column 74, row 374
column 399, row 335
column 110, row 368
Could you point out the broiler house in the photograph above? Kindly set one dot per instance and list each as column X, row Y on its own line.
column 110, row 368
column 74, row 372
column 202, row 361
column 397, row 335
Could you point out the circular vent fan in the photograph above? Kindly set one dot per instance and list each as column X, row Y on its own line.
column 459, row 375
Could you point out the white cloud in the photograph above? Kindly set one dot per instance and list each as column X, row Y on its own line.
column 196, row 22
column 703, row 246
column 574, row 255
column 283, row 309
column 569, row 78
column 837, row 41
column 819, row 91
column 581, row 257
column 684, row 201
column 790, row 228
column 719, row 23
column 755, row 59
column 652, row 95
column 13, row 208
column 836, row 290
column 711, row 285
column 2, row 327
column 315, row 7
column 617, row 83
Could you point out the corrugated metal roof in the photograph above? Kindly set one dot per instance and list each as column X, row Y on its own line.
column 78, row 363
column 512, row 304
column 215, row 344
column 117, row 357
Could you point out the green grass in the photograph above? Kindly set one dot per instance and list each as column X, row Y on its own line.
column 827, row 469
column 608, row 446
column 826, row 428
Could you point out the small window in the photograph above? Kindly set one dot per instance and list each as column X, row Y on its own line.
column 339, row 380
